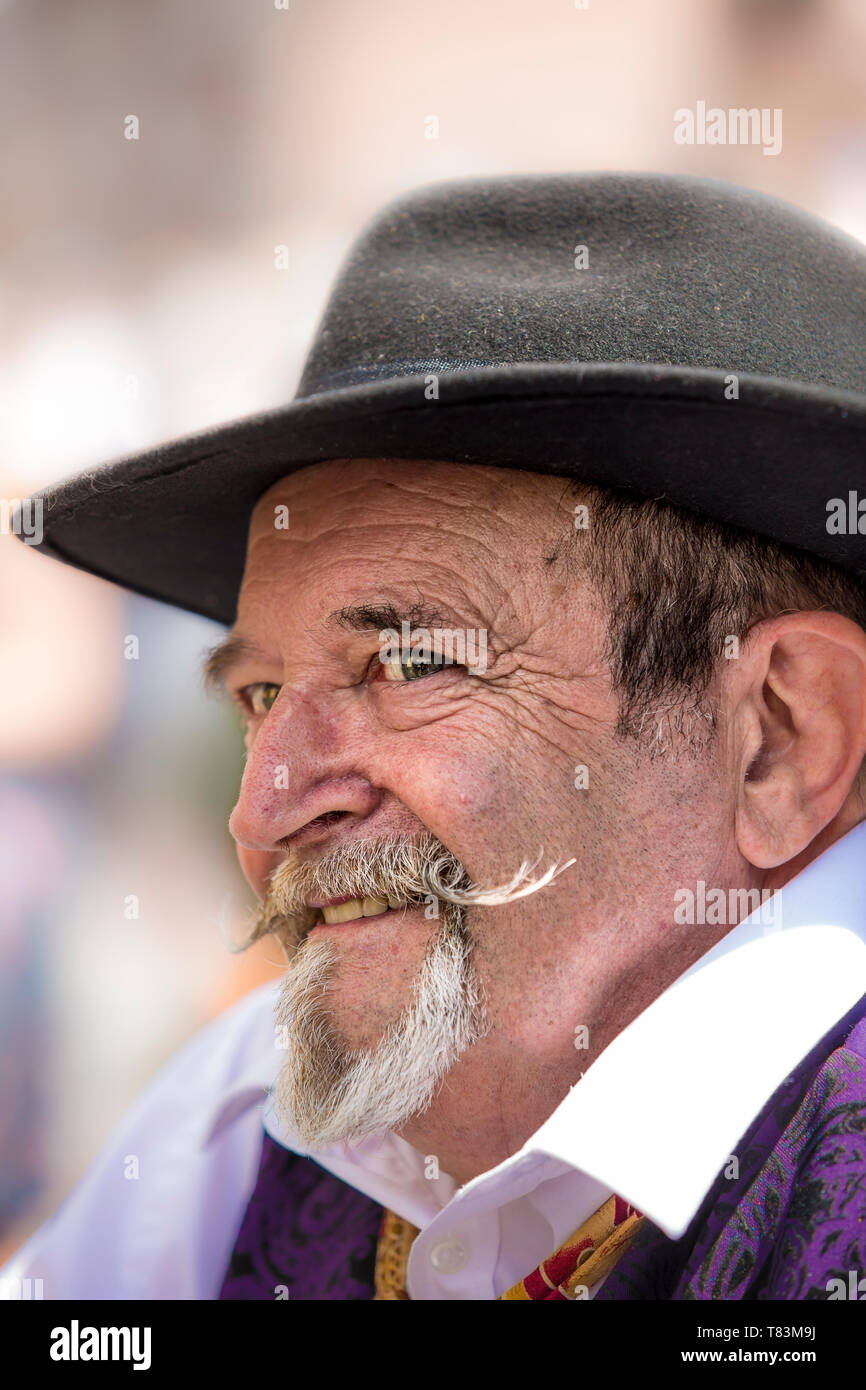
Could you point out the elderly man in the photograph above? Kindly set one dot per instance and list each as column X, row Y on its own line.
column 550, row 646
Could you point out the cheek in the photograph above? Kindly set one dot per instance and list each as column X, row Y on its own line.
column 444, row 776
column 464, row 789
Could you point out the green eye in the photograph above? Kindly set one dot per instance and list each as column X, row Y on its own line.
column 396, row 670
column 261, row 696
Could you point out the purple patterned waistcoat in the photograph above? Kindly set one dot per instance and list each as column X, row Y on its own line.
column 792, row 1221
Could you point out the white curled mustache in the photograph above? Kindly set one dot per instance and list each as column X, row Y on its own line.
column 408, row 871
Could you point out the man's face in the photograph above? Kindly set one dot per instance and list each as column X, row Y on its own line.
column 515, row 761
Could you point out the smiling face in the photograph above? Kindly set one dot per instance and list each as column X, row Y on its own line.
column 351, row 740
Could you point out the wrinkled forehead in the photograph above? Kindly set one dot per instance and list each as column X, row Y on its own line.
column 499, row 517
column 358, row 523
column 339, row 491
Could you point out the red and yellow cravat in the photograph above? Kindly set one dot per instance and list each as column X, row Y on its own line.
column 587, row 1256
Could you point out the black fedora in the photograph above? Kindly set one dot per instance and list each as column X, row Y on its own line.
column 674, row 337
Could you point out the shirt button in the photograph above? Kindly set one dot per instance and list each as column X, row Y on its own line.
column 448, row 1257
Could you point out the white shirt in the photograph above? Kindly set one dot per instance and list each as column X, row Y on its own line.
column 654, row 1119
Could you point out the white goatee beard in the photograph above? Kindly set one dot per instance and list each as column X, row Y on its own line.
column 327, row 1093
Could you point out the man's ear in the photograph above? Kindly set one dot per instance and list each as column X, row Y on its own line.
column 798, row 721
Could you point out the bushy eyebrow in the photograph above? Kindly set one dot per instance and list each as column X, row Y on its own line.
column 362, row 617
column 375, row 617
column 221, row 658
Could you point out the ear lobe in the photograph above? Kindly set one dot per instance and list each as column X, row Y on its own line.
column 774, row 820
column 803, row 720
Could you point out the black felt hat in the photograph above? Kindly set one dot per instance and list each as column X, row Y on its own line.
column 675, row 337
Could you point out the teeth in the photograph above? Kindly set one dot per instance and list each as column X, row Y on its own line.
column 344, row 912
column 356, row 907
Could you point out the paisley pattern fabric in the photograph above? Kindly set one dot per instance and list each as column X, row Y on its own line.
column 305, row 1234
column 783, row 1221
column 793, row 1219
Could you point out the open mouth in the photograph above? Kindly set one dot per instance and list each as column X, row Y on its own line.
column 354, row 909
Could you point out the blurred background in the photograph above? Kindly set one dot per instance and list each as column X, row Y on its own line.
column 140, row 300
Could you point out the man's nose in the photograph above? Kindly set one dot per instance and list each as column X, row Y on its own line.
column 299, row 771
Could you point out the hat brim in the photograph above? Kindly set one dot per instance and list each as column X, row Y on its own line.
column 171, row 522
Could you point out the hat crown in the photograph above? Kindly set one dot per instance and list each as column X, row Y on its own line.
column 595, row 268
